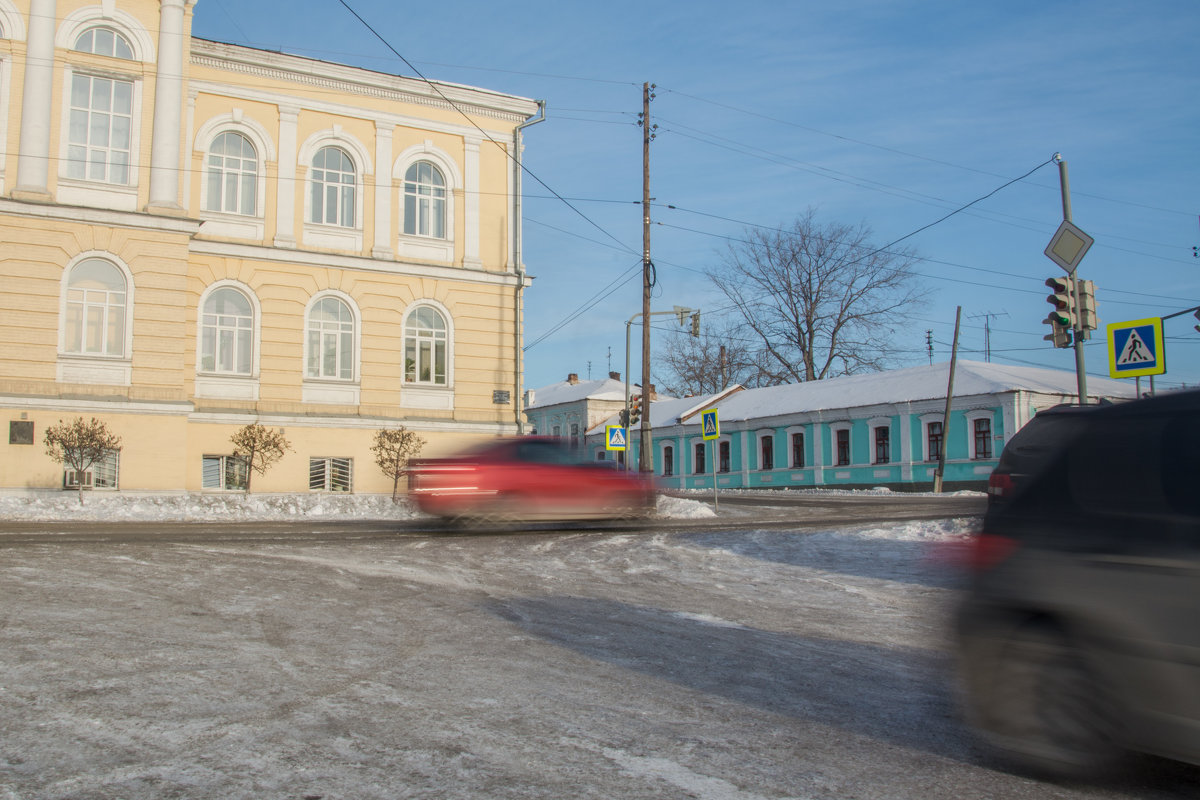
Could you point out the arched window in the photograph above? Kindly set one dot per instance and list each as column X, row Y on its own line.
column 104, row 42
column 227, row 333
column 330, row 340
column 96, row 309
column 333, row 188
column 424, row 201
column 232, row 174
column 425, row 347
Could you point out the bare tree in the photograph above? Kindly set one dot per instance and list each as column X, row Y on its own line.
column 79, row 445
column 720, row 357
column 820, row 299
column 393, row 448
column 259, row 448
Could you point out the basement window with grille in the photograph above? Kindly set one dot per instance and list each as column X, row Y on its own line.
column 330, row 474
column 101, row 475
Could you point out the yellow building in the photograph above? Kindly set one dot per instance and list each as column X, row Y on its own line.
column 196, row 236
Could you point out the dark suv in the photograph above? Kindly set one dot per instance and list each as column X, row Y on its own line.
column 1079, row 635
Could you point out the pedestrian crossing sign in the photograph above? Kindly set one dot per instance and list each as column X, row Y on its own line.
column 712, row 428
column 615, row 438
column 1136, row 348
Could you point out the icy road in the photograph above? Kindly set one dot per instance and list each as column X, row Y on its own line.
column 710, row 664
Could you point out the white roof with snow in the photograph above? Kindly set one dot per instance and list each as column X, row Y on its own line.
column 567, row 392
column 912, row 384
column 971, row 378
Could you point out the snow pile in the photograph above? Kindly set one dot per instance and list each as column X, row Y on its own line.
column 115, row 507
column 65, row 506
column 945, row 530
column 679, row 508
column 877, row 490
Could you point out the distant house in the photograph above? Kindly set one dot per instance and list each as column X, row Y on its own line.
column 883, row 429
column 567, row 409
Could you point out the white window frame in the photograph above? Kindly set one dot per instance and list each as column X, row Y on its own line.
column 232, row 173
column 320, row 234
column 118, row 37
column 229, row 225
column 326, row 468
column 971, row 417
column 229, row 385
column 766, row 433
column 874, row 424
column 710, row 453
column 791, row 432
column 663, row 449
column 418, row 394
column 427, row 203
column 333, row 389
column 92, row 191
column 73, row 191
column 100, row 368
column 443, row 338
column 848, row 427
column 426, row 248
column 925, row 420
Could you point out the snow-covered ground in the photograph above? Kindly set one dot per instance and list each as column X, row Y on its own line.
column 681, row 662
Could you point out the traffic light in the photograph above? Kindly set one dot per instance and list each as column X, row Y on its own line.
column 1059, row 334
column 1087, row 307
column 1063, row 301
column 635, row 409
column 696, row 324
column 623, row 418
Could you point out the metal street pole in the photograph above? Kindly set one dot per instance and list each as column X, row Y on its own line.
column 1080, row 371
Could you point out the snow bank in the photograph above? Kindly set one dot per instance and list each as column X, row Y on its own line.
column 104, row 507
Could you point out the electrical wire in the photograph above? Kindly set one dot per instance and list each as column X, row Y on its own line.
column 475, row 125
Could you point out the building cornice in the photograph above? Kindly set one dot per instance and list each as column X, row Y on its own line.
column 355, row 80
column 359, row 263
column 185, row 226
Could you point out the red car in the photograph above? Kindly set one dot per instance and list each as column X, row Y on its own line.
column 528, row 478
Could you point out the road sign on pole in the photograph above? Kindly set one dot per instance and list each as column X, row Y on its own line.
column 1068, row 246
column 615, row 438
column 712, row 427
column 1136, row 348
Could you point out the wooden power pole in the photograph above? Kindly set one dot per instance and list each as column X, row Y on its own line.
column 646, row 451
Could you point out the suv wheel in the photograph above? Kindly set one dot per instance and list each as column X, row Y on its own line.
column 1046, row 711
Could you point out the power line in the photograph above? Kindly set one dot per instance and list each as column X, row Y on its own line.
column 475, row 125
column 906, row 153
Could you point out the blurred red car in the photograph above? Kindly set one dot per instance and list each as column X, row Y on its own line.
column 528, row 478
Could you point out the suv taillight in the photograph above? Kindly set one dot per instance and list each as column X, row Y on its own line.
column 1000, row 484
column 986, row 550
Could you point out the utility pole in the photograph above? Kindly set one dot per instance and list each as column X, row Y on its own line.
column 987, row 331
column 941, row 456
column 646, row 452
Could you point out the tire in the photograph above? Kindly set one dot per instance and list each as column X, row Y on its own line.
column 1044, row 710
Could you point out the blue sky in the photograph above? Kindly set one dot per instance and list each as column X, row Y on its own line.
column 892, row 114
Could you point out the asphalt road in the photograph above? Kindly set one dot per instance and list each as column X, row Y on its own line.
column 734, row 511
column 732, row 661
